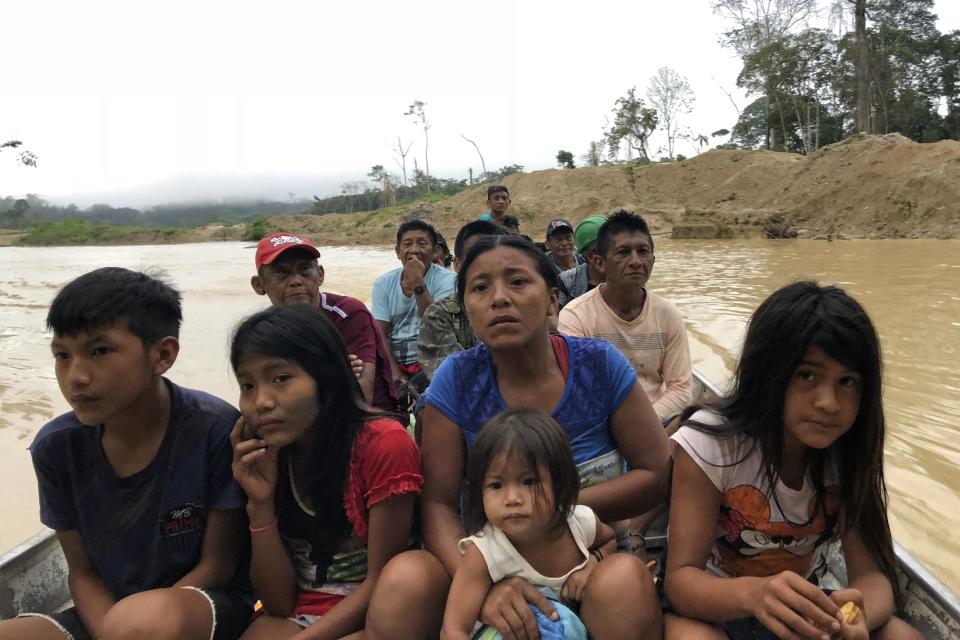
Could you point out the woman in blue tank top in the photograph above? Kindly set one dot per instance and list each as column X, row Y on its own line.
column 509, row 291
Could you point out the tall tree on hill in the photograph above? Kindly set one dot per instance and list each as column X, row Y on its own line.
column 594, row 155
column 483, row 164
column 757, row 25
column 402, row 163
column 794, row 76
column 950, row 52
column 862, row 66
column 416, row 110
column 633, row 123
column 701, row 141
column 379, row 174
column 905, row 59
column 671, row 95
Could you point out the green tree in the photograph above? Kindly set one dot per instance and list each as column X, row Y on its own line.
column 633, row 123
column 565, row 160
column 501, row 173
column 795, row 77
column 258, row 228
column 15, row 214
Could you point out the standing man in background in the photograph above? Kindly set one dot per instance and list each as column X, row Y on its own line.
column 498, row 199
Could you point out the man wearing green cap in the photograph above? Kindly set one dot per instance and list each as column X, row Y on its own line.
column 584, row 277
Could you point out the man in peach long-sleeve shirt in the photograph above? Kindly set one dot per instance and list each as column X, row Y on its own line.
column 646, row 328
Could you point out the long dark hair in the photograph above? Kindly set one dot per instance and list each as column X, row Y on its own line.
column 487, row 243
column 788, row 323
column 538, row 440
column 301, row 335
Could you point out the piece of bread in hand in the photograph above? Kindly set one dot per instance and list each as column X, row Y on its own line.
column 851, row 613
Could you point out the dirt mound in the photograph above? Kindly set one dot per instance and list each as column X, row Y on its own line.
column 863, row 187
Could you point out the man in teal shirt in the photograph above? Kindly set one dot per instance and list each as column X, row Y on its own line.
column 498, row 199
column 402, row 295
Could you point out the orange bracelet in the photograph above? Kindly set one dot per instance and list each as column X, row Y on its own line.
column 264, row 528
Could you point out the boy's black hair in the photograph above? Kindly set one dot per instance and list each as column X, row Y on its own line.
column 149, row 307
column 497, row 188
column 417, row 225
column 535, row 438
column 617, row 222
column 793, row 319
column 475, row 228
column 511, row 221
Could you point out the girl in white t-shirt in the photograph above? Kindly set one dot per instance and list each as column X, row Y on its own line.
column 522, row 511
column 790, row 460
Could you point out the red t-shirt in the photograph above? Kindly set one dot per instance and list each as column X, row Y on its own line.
column 363, row 337
column 384, row 462
column 562, row 353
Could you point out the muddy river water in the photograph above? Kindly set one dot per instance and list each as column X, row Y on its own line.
column 910, row 287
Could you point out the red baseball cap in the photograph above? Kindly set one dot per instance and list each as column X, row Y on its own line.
column 269, row 248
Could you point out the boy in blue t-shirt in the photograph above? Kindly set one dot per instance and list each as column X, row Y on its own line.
column 136, row 480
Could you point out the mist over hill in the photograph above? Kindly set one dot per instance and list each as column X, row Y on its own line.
column 197, row 188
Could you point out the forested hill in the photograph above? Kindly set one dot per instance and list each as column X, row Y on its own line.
column 32, row 209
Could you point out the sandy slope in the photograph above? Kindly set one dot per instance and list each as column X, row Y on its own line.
column 864, row 187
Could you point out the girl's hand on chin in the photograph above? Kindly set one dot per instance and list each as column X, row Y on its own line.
column 792, row 607
column 254, row 465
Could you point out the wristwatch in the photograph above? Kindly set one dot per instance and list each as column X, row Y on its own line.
column 419, row 289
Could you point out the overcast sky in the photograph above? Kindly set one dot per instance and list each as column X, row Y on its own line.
column 136, row 103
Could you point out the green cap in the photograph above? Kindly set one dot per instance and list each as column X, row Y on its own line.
column 586, row 232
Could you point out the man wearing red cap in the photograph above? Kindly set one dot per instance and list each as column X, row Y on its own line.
column 288, row 272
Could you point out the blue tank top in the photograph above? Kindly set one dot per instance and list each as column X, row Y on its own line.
column 465, row 390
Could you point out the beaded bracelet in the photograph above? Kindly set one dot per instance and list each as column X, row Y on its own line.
column 266, row 527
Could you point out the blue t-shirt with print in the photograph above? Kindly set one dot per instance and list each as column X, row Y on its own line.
column 144, row 531
column 599, row 380
column 388, row 304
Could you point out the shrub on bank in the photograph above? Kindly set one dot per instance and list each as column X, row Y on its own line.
column 77, row 232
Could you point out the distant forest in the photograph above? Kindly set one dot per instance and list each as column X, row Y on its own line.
column 21, row 213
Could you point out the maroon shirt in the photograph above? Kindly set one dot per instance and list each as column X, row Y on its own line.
column 364, row 340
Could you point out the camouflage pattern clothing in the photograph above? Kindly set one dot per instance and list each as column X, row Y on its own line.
column 443, row 330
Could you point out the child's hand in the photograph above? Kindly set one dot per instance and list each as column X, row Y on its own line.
column 789, row 606
column 254, row 464
column 572, row 590
column 857, row 630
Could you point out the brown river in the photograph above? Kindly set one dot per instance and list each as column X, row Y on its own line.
column 910, row 287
